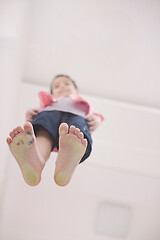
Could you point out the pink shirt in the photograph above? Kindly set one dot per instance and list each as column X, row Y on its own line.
column 72, row 103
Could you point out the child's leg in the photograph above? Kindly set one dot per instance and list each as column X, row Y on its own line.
column 72, row 147
column 31, row 153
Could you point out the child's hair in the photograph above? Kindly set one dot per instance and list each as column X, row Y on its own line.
column 62, row 75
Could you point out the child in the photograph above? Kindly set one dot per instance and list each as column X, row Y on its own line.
column 64, row 122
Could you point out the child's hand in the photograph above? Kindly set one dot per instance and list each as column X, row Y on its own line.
column 93, row 122
column 31, row 113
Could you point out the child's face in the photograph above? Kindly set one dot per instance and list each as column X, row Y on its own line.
column 63, row 86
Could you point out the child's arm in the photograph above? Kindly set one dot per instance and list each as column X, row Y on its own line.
column 31, row 113
column 45, row 100
column 93, row 122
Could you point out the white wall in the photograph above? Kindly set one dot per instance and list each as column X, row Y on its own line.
column 11, row 63
column 111, row 48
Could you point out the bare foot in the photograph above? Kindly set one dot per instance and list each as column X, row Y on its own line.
column 22, row 144
column 72, row 147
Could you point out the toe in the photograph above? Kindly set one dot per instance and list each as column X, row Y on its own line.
column 15, row 131
column 11, row 134
column 81, row 135
column 72, row 129
column 28, row 127
column 63, row 129
column 84, row 142
column 77, row 131
column 19, row 129
column 8, row 140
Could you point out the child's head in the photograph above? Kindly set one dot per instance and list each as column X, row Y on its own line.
column 63, row 85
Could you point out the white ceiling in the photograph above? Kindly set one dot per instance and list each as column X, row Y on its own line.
column 111, row 48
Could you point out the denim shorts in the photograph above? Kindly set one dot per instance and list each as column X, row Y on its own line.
column 51, row 120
